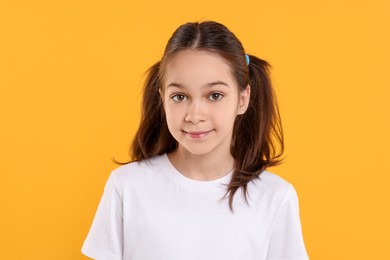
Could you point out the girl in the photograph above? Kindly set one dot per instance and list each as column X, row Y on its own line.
column 197, row 187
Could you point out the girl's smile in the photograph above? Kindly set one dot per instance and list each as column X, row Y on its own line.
column 198, row 134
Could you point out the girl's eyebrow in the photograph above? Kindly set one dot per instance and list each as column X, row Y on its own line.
column 179, row 85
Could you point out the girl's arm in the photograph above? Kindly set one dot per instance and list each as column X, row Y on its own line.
column 286, row 239
column 105, row 237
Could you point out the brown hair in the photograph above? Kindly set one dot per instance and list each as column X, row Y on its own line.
column 257, row 141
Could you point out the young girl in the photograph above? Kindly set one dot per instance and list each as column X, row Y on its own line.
column 197, row 187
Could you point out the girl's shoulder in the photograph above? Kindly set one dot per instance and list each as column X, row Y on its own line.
column 272, row 181
column 135, row 169
column 137, row 175
column 271, row 184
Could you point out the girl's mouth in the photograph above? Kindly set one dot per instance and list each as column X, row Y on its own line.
column 198, row 134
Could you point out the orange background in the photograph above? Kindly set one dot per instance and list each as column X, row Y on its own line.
column 71, row 74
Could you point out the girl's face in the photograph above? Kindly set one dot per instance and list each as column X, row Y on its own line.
column 202, row 100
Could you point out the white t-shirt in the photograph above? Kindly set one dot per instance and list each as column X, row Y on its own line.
column 150, row 211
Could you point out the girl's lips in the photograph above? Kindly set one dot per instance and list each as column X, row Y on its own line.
column 198, row 134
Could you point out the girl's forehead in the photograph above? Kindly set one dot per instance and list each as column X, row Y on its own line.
column 197, row 66
column 188, row 55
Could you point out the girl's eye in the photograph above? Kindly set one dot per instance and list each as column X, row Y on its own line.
column 215, row 96
column 179, row 98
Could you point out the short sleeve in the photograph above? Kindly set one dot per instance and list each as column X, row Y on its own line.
column 105, row 238
column 286, row 239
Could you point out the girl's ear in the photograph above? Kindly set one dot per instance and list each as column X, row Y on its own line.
column 244, row 100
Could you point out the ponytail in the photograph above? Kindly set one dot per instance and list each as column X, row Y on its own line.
column 257, row 132
column 153, row 137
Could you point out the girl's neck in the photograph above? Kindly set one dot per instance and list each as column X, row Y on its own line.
column 201, row 167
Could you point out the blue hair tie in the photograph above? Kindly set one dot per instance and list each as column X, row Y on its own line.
column 247, row 59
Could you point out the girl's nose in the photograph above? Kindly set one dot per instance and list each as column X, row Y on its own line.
column 195, row 112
